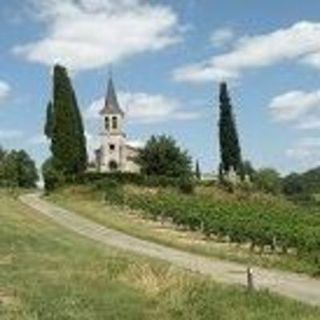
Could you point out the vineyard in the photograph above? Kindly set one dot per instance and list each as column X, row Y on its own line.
column 259, row 221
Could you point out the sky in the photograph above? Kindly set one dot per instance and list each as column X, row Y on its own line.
column 167, row 58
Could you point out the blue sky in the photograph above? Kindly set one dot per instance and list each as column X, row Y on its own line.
column 168, row 58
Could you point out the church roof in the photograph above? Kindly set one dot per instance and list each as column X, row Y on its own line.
column 111, row 105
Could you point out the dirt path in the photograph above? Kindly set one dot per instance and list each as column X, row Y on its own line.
column 292, row 285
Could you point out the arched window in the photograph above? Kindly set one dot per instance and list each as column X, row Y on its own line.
column 114, row 122
column 106, row 123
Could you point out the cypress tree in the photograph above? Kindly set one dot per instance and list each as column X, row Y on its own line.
column 49, row 121
column 198, row 171
column 229, row 142
column 81, row 139
column 67, row 134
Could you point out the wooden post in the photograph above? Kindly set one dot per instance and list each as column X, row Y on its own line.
column 250, row 285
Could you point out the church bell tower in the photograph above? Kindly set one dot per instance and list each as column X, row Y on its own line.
column 112, row 157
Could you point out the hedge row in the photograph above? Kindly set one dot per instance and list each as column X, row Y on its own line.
column 184, row 184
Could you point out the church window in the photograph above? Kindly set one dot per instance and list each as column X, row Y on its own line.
column 106, row 123
column 114, row 123
column 112, row 147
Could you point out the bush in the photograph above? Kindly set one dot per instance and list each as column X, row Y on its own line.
column 113, row 191
column 97, row 179
column 120, row 177
column 52, row 177
column 268, row 180
column 186, row 185
column 227, row 186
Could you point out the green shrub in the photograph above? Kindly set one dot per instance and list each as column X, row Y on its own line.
column 112, row 189
column 52, row 177
column 186, row 185
column 96, row 179
column 120, row 177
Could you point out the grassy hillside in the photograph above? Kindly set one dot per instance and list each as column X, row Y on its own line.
column 154, row 212
column 48, row 273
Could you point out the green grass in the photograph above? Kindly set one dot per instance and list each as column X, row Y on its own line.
column 92, row 205
column 48, row 273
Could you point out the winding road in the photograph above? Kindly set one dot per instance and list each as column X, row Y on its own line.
column 298, row 287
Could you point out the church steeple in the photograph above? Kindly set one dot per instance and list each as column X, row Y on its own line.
column 111, row 105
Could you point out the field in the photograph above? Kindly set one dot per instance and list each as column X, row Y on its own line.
column 49, row 273
column 174, row 219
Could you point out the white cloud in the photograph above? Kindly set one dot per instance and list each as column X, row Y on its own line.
column 293, row 105
column 146, row 108
column 300, row 42
column 89, row 34
column 309, row 123
column 136, row 143
column 301, row 110
column 10, row 134
column 221, row 37
column 306, row 151
column 4, row 90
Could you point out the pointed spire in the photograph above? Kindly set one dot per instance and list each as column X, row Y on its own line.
column 111, row 105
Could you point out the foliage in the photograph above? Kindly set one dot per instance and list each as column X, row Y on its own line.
column 303, row 187
column 17, row 169
column 247, row 169
column 81, row 144
column 53, row 178
column 162, row 157
column 120, row 177
column 228, row 136
column 198, row 171
column 49, row 121
column 2, row 153
column 267, row 180
column 293, row 184
column 65, row 128
column 311, row 180
column 186, row 185
column 258, row 220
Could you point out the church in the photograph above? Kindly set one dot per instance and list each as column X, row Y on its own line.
column 115, row 154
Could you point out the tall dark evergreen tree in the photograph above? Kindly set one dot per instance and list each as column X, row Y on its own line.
column 49, row 121
column 68, row 143
column 81, row 138
column 198, row 171
column 228, row 136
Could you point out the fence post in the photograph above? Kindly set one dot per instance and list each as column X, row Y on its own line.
column 250, row 284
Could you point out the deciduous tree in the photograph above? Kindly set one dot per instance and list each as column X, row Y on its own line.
column 162, row 157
